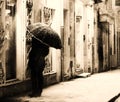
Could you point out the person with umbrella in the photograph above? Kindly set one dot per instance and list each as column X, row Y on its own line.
column 43, row 37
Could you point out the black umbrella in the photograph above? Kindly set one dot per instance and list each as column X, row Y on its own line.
column 45, row 34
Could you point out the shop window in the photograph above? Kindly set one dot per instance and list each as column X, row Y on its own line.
column 48, row 15
column 10, row 33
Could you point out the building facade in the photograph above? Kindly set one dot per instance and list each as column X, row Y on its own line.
column 89, row 31
column 15, row 16
column 107, row 36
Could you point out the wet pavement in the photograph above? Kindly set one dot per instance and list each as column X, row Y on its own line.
column 99, row 87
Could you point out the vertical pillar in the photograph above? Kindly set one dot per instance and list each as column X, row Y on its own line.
column 72, row 35
column 20, row 38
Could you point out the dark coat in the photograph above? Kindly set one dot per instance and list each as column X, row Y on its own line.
column 37, row 54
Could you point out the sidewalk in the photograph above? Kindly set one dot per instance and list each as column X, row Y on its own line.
column 99, row 87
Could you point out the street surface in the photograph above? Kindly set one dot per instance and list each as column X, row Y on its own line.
column 99, row 87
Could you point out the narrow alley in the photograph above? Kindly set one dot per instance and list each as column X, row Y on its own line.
column 47, row 44
column 99, row 87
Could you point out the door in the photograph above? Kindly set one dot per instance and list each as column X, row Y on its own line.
column 103, row 46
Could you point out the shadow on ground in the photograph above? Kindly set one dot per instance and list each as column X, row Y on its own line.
column 114, row 98
column 11, row 100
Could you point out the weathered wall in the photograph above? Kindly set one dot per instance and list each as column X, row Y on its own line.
column 79, row 34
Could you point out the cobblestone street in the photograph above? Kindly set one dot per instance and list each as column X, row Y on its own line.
column 100, row 87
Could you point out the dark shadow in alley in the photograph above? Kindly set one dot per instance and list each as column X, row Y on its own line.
column 15, row 98
column 11, row 100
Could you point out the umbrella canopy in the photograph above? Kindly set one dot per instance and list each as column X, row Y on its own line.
column 45, row 35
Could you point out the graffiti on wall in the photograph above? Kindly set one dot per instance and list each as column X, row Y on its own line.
column 48, row 14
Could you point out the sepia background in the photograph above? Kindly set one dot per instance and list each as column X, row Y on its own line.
column 89, row 31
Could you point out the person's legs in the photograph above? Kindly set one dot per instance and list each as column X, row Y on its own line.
column 37, row 65
column 34, row 82
column 37, row 81
column 40, row 81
